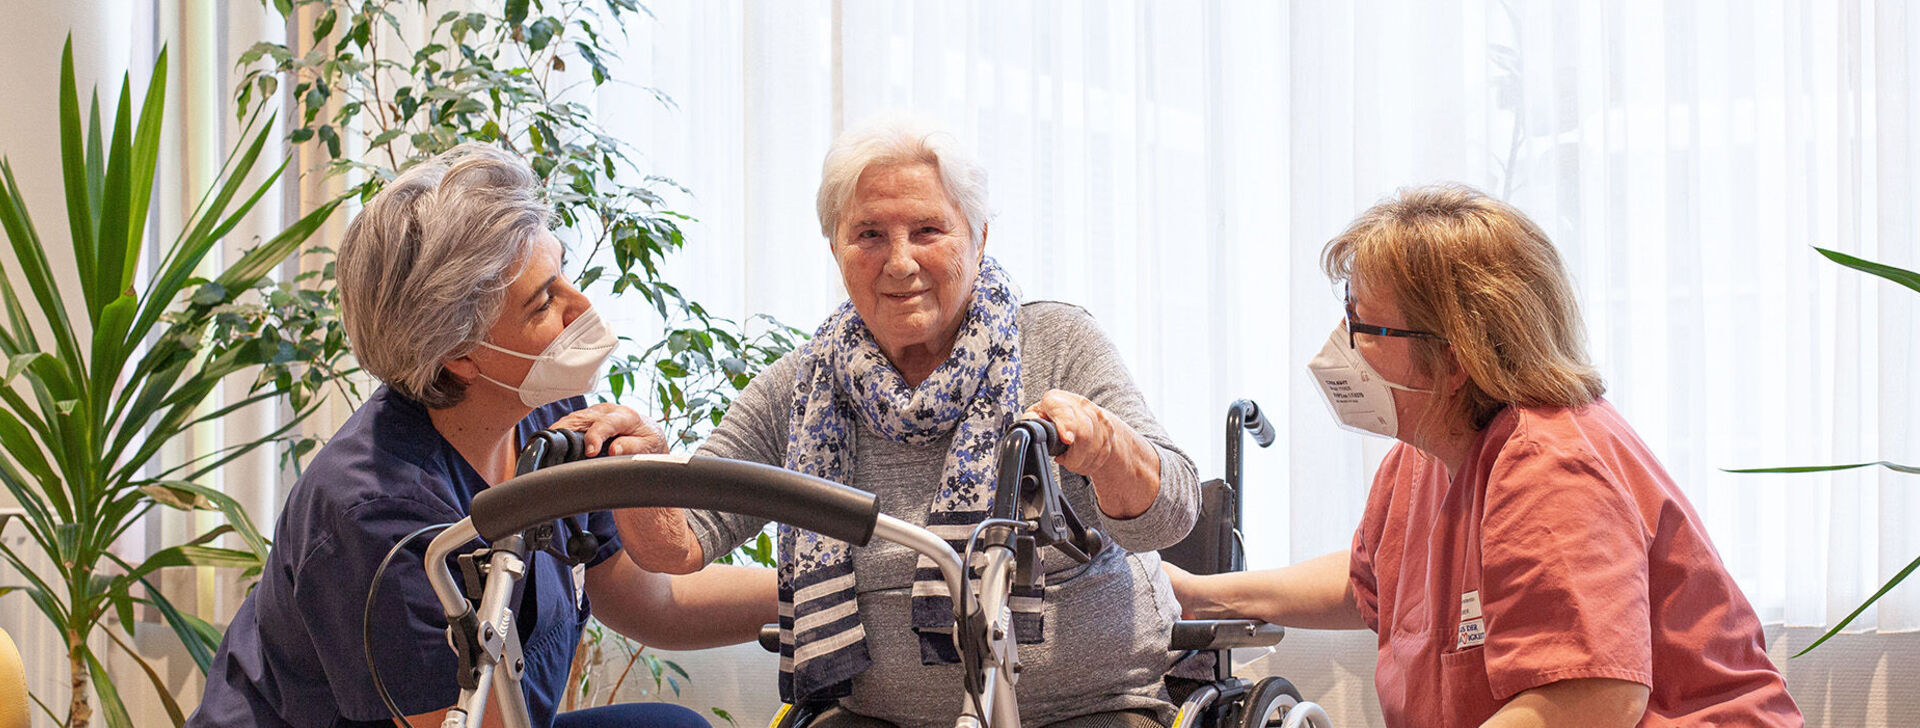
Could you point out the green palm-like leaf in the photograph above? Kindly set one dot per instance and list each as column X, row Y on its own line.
column 110, row 702
column 83, row 422
column 1891, row 583
column 1828, row 468
column 81, row 217
column 1911, row 280
column 153, row 677
column 1901, row 276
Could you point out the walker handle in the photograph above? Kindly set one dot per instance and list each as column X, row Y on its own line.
column 676, row 481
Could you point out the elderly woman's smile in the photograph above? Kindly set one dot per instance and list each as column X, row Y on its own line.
column 909, row 263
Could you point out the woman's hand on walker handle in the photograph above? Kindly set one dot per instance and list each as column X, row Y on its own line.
column 616, row 428
column 1123, row 466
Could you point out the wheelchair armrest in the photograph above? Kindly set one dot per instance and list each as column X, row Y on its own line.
column 770, row 638
column 1220, row 634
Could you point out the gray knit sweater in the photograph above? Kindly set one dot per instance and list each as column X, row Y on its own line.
column 1107, row 622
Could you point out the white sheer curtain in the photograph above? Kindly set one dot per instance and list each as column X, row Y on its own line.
column 1175, row 168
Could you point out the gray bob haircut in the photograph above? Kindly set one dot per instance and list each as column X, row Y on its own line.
column 892, row 140
column 424, row 269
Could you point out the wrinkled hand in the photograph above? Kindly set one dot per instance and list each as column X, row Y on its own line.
column 620, row 429
column 1098, row 443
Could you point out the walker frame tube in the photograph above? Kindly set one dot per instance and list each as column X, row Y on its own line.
column 828, row 507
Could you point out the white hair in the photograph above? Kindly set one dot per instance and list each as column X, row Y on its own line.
column 891, row 140
column 424, row 268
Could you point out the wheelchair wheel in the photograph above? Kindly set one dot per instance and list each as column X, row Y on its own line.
column 1268, row 702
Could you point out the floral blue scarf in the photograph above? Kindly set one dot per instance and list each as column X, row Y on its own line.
column 975, row 396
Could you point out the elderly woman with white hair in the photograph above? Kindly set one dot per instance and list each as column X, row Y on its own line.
column 903, row 392
column 452, row 293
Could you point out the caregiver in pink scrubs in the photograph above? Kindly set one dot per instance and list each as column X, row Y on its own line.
column 1523, row 557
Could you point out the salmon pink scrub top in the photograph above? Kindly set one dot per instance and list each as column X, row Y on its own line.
column 1562, row 551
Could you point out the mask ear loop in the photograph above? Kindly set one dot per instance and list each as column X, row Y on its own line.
column 504, row 385
column 510, row 352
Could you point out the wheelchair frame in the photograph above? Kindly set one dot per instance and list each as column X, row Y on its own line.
column 1215, row 546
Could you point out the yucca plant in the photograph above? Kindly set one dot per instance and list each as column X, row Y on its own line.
column 87, row 405
column 1911, row 280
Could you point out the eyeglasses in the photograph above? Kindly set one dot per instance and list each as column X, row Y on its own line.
column 1354, row 326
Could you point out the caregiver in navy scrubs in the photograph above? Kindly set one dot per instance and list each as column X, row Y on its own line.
column 453, row 296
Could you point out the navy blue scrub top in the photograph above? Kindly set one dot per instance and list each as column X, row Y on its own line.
column 293, row 655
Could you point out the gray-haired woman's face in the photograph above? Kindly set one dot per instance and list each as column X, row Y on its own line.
column 907, row 260
column 540, row 303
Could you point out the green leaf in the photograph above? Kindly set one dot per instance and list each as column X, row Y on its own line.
column 387, row 136
column 110, row 703
column 209, row 294
column 542, row 32
column 73, row 158
column 176, row 498
column 255, row 52
column 236, row 516
column 31, row 256
column 1891, row 583
column 593, row 59
column 146, row 159
column 200, row 638
column 123, row 606
column 218, row 557
column 1901, row 276
column 110, row 344
column 332, row 139
column 1827, row 468
column 516, row 12
column 323, row 26
column 160, row 686
column 18, row 363
column 115, row 209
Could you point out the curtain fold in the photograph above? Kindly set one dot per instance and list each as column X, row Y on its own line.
column 1176, row 168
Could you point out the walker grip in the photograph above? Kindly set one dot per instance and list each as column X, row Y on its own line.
column 674, row 481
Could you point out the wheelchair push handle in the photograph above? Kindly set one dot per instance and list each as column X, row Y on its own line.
column 675, row 481
column 1246, row 415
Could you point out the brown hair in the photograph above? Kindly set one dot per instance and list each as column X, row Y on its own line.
column 1476, row 271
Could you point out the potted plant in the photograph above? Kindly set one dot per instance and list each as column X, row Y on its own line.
column 89, row 401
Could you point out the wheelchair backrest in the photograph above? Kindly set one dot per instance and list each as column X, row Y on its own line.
column 1212, row 547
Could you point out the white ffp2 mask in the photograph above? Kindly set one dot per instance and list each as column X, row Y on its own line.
column 1360, row 399
column 567, row 367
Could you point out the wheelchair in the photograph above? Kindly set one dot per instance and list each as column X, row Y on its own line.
column 1219, row 699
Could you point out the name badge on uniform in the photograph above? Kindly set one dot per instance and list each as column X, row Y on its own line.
column 1473, row 629
column 579, row 584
